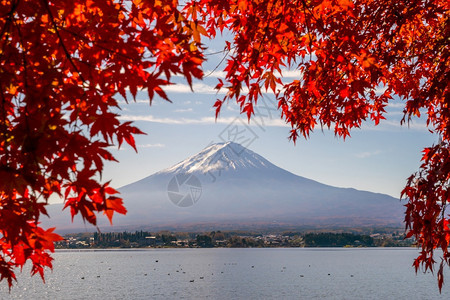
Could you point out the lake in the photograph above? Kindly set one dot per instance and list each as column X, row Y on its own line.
column 222, row 273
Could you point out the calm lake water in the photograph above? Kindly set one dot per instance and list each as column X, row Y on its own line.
column 291, row 273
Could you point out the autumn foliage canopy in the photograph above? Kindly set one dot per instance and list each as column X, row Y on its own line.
column 63, row 64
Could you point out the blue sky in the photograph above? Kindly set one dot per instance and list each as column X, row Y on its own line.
column 377, row 159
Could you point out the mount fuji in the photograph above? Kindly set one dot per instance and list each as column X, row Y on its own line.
column 228, row 185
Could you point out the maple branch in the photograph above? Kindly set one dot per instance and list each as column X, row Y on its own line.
column 117, row 52
column 219, row 52
column 218, row 65
column 32, row 165
column 3, row 125
column 24, row 60
column 305, row 7
column 10, row 17
column 55, row 27
column 67, row 54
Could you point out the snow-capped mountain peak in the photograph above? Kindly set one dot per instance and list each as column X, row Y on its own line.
column 221, row 156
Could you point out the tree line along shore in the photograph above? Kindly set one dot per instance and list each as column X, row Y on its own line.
column 231, row 239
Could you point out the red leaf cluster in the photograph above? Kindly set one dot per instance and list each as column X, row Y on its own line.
column 346, row 51
column 353, row 56
column 61, row 65
column 428, row 194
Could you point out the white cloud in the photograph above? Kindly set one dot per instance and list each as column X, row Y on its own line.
column 203, row 88
column 233, row 108
column 126, row 147
column 285, row 72
column 151, row 146
column 389, row 125
column 290, row 73
column 380, row 90
column 367, row 154
column 393, row 114
column 184, row 110
column 150, row 118
column 396, row 105
column 255, row 121
column 130, row 101
column 217, row 73
column 199, row 87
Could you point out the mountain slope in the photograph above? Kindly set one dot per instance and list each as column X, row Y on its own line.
column 228, row 184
